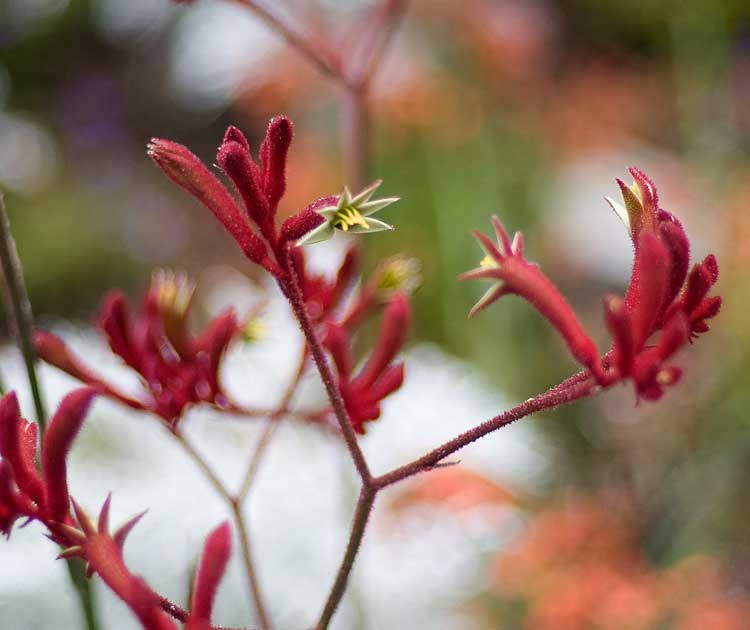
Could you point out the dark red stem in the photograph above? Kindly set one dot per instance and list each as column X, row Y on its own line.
column 290, row 288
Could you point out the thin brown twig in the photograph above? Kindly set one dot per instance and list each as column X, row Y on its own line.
column 359, row 525
column 272, row 424
column 239, row 521
column 559, row 395
column 316, row 52
column 182, row 615
column 387, row 16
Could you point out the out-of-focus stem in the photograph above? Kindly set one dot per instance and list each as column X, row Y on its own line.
column 21, row 319
column 272, row 424
column 256, row 595
column 356, row 136
column 316, row 52
column 19, row 310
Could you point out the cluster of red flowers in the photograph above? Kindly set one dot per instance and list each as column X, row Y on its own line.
column 176, row 368
column 43, row 496
column 663, row 300
column 261, row 188
column 665, row 306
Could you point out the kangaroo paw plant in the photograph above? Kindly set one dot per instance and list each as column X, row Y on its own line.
column 665, row 307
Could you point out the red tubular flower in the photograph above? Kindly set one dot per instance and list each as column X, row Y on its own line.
column 235, row 160
column 273, row 155
column 177, row 369
column 23, row 492
column 18, row 443
column 188, row 172
column 216, row 553
column 102, row 552
column 379, row 377
column 513, row 274
column 260, row 188
column 659, row 301
column 58, row 439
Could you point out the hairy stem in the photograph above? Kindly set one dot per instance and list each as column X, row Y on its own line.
column 294, row 294
column 359, row 525
column 576, row 387
column 568, row 391
column 182, row 615
column 241, row 525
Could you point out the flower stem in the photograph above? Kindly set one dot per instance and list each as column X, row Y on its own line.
column 294, row 294
column 359, row 525
column 568, row 391
column 21, row 319
column 272, row 424
column 576, row 387
column 19, row 310
column 256, row 595
column 315, row 51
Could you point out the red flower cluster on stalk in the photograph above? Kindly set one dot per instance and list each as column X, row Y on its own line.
column 379, row 376
column 664, row 307
column 260, row 186
column 177, row 368
column 43, row 496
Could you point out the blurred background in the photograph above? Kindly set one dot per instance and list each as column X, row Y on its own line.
column 604, row 514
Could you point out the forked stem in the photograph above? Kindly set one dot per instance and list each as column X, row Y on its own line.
column 256, row 595
column 575, row 388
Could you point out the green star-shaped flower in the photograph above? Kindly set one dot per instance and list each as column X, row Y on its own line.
column 351, row 214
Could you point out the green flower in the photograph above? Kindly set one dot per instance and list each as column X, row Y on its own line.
column 351, row 214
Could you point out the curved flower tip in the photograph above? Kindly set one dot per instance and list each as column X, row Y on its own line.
column 216, row 553
column 351, row 213
column 505, row 265
column 273, row 157
column 641, row 204
column 62, row 430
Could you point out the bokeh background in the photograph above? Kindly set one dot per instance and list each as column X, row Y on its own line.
column 601, row 515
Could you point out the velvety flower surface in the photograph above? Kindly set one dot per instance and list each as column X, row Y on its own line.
column 663, row 308
column 379, row 376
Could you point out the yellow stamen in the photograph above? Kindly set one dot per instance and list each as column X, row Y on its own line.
column 488, row 262
column 349, row 217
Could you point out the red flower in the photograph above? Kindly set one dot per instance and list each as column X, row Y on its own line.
column 24, row 493
column 177, row 369
column 323, row 295
column 659, row 303
column 102, row 552
column 216, row 553
column 379, row 377
column 260, row 186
